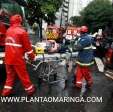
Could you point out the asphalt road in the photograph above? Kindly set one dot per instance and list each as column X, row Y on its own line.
column 102, row 87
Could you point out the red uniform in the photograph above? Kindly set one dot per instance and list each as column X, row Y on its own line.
column 83, row 72
column 16, row 45
column 2, row 34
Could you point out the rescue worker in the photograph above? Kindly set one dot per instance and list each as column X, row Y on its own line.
column 16, row 45
column 2, row 35
column 84, row 59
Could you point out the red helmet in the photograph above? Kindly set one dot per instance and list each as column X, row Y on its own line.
column 84, row 29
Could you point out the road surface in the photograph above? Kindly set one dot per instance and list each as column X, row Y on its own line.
column 102, row 88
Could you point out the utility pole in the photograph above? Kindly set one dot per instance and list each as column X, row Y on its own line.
column 65, row 11
column 61, row 15
column 68, row 11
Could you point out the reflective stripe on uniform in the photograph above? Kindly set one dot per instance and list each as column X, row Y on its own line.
column 79, row 82
column 29, row 52
column 90, row 47
column 85, row 64
column 13, row 44
column 7, row 87
column 27, row 89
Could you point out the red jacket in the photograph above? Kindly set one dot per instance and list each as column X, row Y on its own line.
column 17, row 43
column 2, row 34
column 109, row 55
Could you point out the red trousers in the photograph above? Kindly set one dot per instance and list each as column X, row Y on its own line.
column 20, row 71
column 83, row 72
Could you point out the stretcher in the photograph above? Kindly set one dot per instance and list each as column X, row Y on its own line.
column 47, row 66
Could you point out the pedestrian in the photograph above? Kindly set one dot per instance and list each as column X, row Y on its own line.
column 17, row 43
column 84, row 59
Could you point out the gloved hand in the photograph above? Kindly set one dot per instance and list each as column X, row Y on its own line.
column 32, row 56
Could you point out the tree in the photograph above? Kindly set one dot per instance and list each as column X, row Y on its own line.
column 10, row 7
column 42, row 9
column 98, row 14
column 76, row 20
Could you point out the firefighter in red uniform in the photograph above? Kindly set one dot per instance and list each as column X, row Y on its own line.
column 16, row 45
column 2, row 35
column 84, row 59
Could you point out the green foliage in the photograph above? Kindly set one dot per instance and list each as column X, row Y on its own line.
column 33, row 11
column 98, row 14
column 48, row 8
column 12, row 8
column 76, row 20
column 44, row 9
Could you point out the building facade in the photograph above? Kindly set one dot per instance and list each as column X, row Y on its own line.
column 75, row 6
